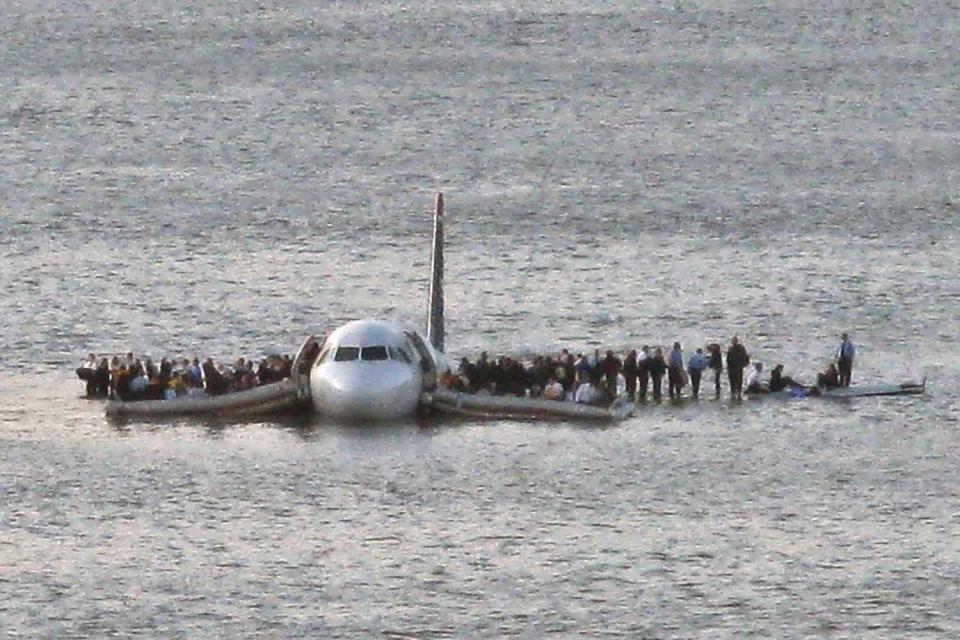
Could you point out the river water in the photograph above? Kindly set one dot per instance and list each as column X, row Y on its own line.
column 224, row 178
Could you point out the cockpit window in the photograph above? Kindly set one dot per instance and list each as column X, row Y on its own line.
column 399, row 354
column 346, row 353
column 374, row 353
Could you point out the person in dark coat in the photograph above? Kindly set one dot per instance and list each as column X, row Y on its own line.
column 630, row 374
column 737, row 361
column 829, row 379
column 88, row 373
column 657, row 366
column 778, row 381
column 164, row 373
column 517, row 380
column 675, row 370
column 286, row 367
column 122, row 382
column 483, row 372
column 569, row 372
column 311, row 354
column 715, row 362
column 265, row 373
column 610, row 366
column 102, row 377
column 216, row 383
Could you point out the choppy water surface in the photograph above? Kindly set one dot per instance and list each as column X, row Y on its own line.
column 225, row 178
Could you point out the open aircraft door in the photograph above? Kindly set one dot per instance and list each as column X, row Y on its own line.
column 300, row 372
column 427, row 364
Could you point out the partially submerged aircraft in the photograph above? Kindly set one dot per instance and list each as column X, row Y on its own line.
column 373, row 370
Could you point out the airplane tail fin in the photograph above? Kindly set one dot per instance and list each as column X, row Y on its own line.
column 435, row 331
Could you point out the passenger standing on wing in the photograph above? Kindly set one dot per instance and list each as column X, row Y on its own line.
column 583, row 370
column 265, row 373
column 150, row 369
column 569, row 373
column 657, row 366
column 481, row 379
column 195, row 373
column 215, row 382
column 737, row 361
column 610, row 367
column 102, row 377
column 114, row 375
column 695, row 367
column 122, row 382
column 716, row 363
column 630, row 374
column 643, row 373
column 165, row 373
column 675, row 370
column 845, row 355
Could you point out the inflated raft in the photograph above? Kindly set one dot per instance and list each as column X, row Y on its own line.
column 277, row 396
column 481, row 405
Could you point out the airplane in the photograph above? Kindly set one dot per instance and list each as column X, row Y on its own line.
column 377, row 370
column 374, row 370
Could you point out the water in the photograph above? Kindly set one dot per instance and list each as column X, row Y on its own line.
column 225, row 179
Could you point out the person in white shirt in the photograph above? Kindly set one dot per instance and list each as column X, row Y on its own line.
column 588, row 393
column 754, row 384
column 553, row 390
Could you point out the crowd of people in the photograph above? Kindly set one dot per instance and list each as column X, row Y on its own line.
column 130, row 378
column 595, row 378
column 583, row 378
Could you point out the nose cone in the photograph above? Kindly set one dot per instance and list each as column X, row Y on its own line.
column 361, row 390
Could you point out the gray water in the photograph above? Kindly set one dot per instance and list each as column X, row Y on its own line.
column 225, row 178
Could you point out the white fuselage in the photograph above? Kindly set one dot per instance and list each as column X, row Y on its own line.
column 367, row 370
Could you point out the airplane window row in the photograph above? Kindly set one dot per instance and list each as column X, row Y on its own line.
column 347, row 354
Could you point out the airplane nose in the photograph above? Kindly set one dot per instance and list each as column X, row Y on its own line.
column 356, row 391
